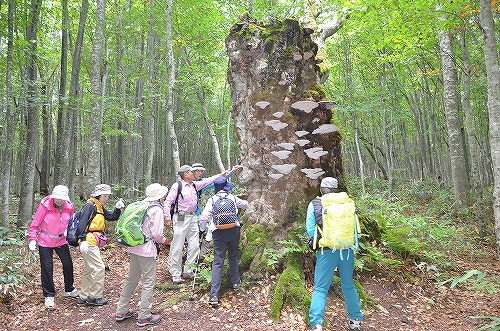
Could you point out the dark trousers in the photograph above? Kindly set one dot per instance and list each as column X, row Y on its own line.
column 47, row 268
column 225, row 241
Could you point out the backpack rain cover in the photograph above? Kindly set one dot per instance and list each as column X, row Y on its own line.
column 340, row 222
column 128, row 229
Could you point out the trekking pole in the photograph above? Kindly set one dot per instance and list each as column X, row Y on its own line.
column 200, row 239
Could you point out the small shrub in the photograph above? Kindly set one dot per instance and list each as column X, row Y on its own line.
column 13, row 261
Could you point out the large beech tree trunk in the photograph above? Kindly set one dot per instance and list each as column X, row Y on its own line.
column 283, row 124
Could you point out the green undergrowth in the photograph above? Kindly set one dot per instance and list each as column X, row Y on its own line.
column 413, row 231
column 14, row 261
column 422, row 228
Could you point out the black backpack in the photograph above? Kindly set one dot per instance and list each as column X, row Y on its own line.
column 72, row 232
column 174, row 208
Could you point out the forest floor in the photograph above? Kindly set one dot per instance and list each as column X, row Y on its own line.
column 416, row 305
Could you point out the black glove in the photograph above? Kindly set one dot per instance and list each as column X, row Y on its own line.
column 311, row 240
column 201, row 233
column 310, row 243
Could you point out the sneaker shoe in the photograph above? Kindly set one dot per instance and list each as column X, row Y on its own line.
column 213, row 301
column 317, row 327
column 96, row 302
column 176, row 281
column 81, row 301
column 153, row 319
column 236, row 287
column 355, row 325
column 187, row 275
column 121, row 317
column 72, row 294
column 49, row 302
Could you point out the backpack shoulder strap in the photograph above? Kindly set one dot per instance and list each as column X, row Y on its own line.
column 318, row 211
column 179, row 192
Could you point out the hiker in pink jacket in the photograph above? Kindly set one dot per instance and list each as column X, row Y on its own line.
column 48, row 229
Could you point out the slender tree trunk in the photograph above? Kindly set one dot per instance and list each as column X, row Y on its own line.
column 213, row 136
column 44, row 167
column 71, row 138
column 10, row 123
column 471, row 138
column 61, row 160
column 25, row 210
column 94, row 171
column 493, row 75
column 125, row 149
column 453, row 120
column 171, row 84
column 153, row 92
column 349, row 86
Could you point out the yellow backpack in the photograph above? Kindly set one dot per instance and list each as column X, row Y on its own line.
column 340, row 226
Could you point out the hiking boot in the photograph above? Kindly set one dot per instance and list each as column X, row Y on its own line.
column 236, row 287
column 176, row 281
column 81, row 301
column 72, row 294
column 49, row 302
column 96, row 302
column 213, row 301
column 121, row 317
column 187, row 275
column 355, row 325
column 153, row 319
column 317, row 327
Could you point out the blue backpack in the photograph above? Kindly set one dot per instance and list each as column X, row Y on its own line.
column 72, row 233
column 224, row 212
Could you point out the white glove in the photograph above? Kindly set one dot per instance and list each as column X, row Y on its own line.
column 84, row 247
column 119, row 204
column 32, row 245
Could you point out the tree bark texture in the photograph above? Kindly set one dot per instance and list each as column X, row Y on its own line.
column 171, row 85
column 70, row 139
column 61, row 169
column 97, row 92
column 6, row 139
column 26, row 195
column 454, row 122
column 493, row 75
column 286, row 139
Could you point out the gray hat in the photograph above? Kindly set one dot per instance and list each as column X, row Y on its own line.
column 329, row 182
column 185, row 168
column 198, row 166
column 101, row 189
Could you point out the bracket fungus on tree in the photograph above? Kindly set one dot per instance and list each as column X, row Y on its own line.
column 306, row 106
column 276, row 125
column 325, row 128
column 313, row 173
column 274, row 80
column 281, row 154
column 262, row 104
column 284, row 168
column 288, row 146
column 315, row 152
column 301, row 133
column 302, row 142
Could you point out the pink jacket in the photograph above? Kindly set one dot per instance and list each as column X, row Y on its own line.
column 153, row 227
column 49, row 224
